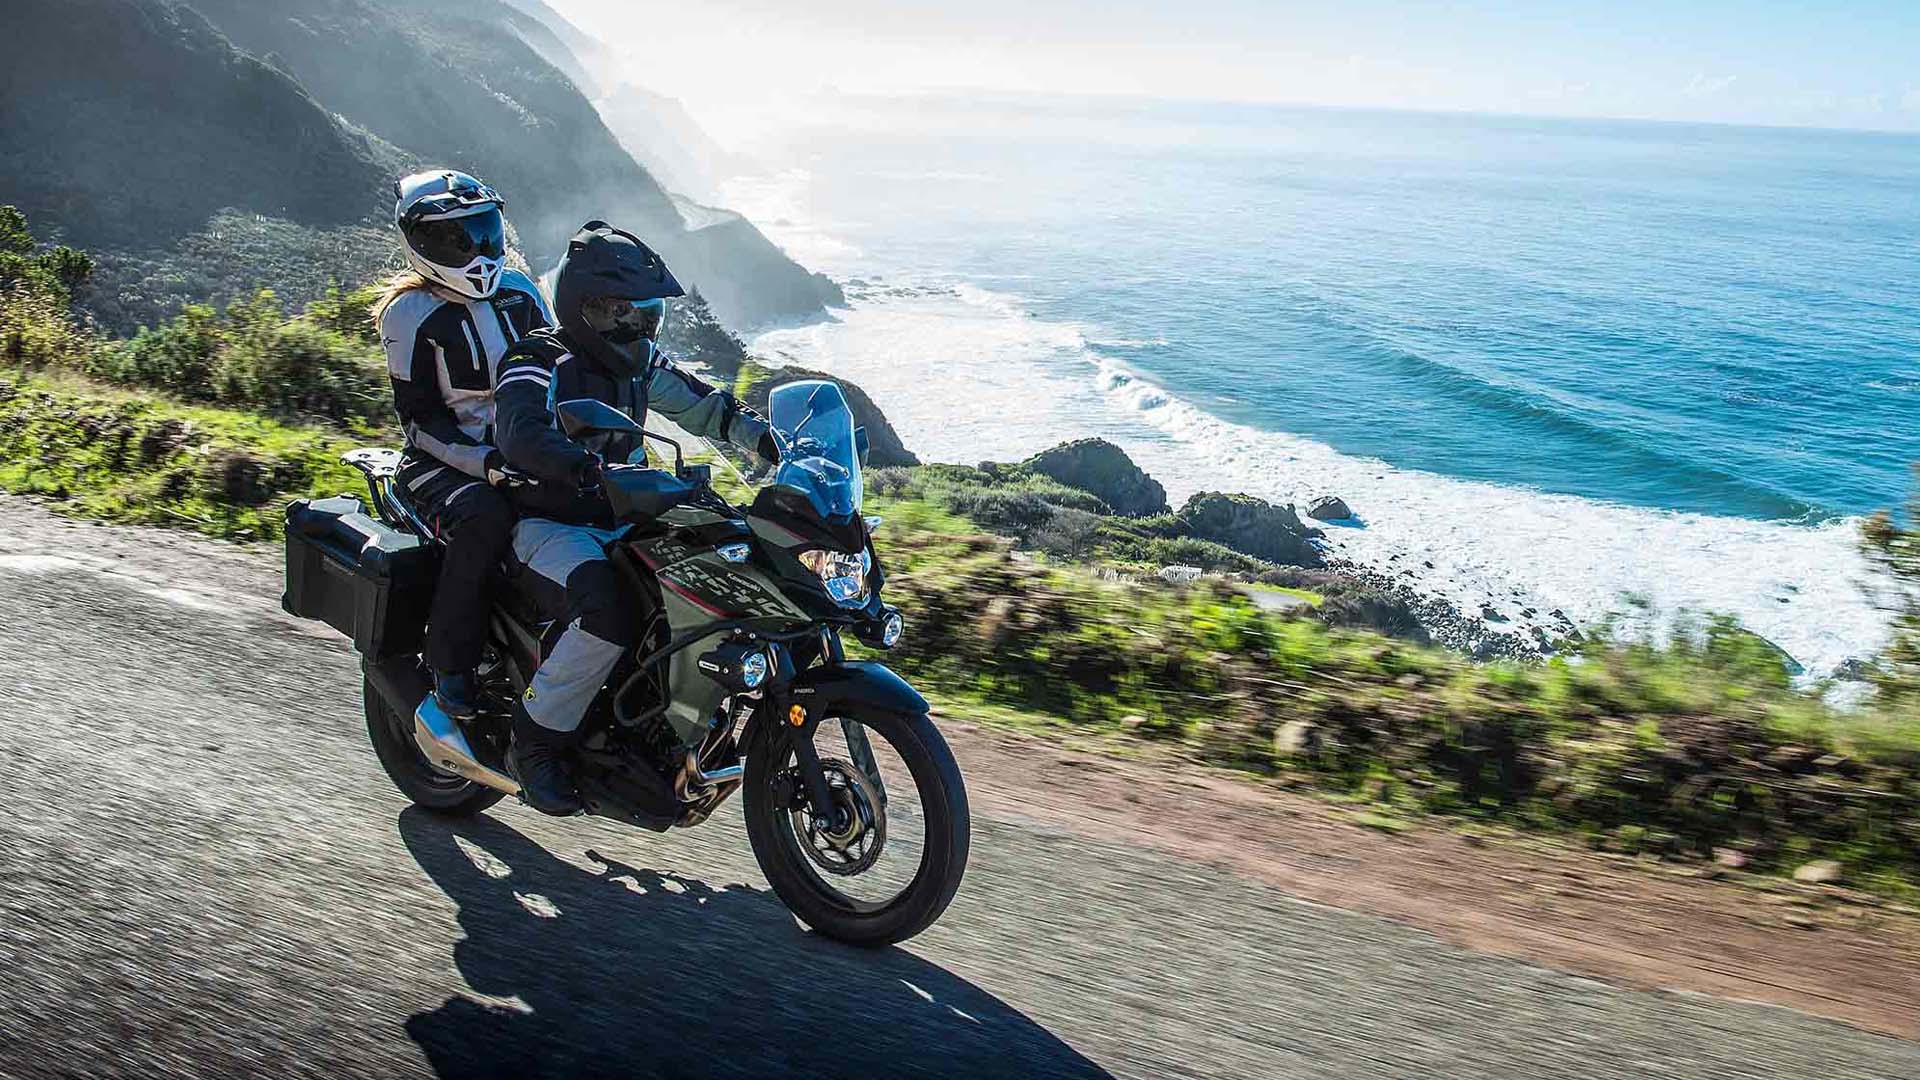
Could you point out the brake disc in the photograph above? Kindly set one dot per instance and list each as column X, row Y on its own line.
column 854, row 848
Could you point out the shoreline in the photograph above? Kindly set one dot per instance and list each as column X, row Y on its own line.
column 1497, row 571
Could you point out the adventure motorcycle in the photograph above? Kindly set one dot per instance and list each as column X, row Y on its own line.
column 854, row 805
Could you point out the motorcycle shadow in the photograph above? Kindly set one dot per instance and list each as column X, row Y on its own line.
column 615, row 970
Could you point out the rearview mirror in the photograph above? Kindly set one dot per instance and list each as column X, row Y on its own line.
column 585, row 416
column 860, row 444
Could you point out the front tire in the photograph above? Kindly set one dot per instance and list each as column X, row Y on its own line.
column 407, row 767
column 942, row 849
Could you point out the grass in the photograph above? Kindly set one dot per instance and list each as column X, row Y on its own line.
column 1311, row 598
column 127, row 456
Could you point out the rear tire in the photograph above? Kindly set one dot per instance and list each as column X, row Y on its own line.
column 948, row 834
column 407, row 767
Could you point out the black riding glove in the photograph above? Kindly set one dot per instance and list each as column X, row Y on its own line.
column 588, row 476
column 496, row 468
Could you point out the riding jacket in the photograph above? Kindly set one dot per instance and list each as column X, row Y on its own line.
column 544, row 368
column 444, row 355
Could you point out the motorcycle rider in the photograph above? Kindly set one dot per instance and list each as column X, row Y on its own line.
column 446, row 324
column 610, row 292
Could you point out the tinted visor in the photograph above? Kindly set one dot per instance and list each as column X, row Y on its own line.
column 623, row 321
column 458, row 241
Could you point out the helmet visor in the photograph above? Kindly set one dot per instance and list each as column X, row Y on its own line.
column 622, row 321
column 458, row 241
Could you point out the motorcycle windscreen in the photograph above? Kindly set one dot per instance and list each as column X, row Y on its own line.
column 821, row 459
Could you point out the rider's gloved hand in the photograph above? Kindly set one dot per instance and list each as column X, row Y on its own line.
column 588, row 476
column 768, row 449
column 498, row 473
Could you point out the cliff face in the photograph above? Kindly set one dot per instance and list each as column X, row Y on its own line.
column 461, row 85
column 131, row 124
column 131, row 117
column 135, row 129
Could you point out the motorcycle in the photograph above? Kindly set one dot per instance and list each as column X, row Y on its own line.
column 854, row 806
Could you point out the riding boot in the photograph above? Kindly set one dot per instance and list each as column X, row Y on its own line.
column 538, row 759
column 458, row 693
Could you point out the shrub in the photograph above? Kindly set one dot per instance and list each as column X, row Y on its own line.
column 1894, row 546
column 55, row 272
column 252, row 356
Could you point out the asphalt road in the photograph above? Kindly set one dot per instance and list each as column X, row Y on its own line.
column 203, row 872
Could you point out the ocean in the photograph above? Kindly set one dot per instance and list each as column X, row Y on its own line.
column 1607, row 368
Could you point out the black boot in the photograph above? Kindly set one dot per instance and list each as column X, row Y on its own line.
column 458, row 693
column 538, row 759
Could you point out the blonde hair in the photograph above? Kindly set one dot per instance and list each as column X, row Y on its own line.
column 398, row 285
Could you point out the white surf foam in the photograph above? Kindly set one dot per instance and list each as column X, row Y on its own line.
column 966, row 374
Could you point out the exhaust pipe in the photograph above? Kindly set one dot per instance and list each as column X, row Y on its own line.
column 692, row 781
column 437, row 735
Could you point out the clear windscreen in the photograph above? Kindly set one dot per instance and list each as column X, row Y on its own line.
column 818, row 455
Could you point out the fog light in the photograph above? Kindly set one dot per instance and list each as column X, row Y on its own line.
column 738, row 665
column 891, row 629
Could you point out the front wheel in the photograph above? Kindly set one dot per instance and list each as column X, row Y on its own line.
column 884, row 863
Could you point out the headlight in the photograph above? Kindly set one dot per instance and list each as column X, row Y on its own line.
column 843, row 575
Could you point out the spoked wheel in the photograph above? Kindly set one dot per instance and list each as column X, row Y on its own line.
column 408, row 768
column 885, row 859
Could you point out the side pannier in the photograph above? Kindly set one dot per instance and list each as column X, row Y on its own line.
column 352, row 572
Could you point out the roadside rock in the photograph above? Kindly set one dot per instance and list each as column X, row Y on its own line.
column 1329, row 508
column 1820, row 872
column 1099, row 467
column 1250, row 525
column 1373, row 611
column 1294, row 738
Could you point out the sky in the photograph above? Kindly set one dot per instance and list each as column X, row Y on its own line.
column 1846, row 64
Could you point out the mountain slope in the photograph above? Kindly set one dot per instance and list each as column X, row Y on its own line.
column 461, row 85
column 131, row 125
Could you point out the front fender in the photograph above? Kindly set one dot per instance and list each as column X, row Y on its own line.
column 858, row 683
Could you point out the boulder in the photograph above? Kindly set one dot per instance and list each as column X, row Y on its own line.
column 1329, row 508
column 1820, row 872
column 1250, row 525
column 884, row 447
column 1103, row 469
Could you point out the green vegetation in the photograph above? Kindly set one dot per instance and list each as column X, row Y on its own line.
column 80, row 420
column 1895, row 546
column 1048, row 516
column 1673, row 749
column 128, row 456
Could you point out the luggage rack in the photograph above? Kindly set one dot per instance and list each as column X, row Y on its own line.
column 380, row 464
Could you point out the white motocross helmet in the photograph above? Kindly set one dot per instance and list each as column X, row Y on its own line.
column 455, row 234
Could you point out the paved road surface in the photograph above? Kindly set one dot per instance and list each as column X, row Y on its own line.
column 204, row 873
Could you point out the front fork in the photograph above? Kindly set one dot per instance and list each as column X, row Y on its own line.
column 797, row 724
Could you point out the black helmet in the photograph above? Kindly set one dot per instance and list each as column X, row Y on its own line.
column 610, row 292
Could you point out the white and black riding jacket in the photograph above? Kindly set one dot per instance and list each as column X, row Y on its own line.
column 444, row 354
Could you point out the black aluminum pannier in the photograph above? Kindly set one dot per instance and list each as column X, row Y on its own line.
column 352, row 572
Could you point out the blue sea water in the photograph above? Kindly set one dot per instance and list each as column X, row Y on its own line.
column 1714, row 325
